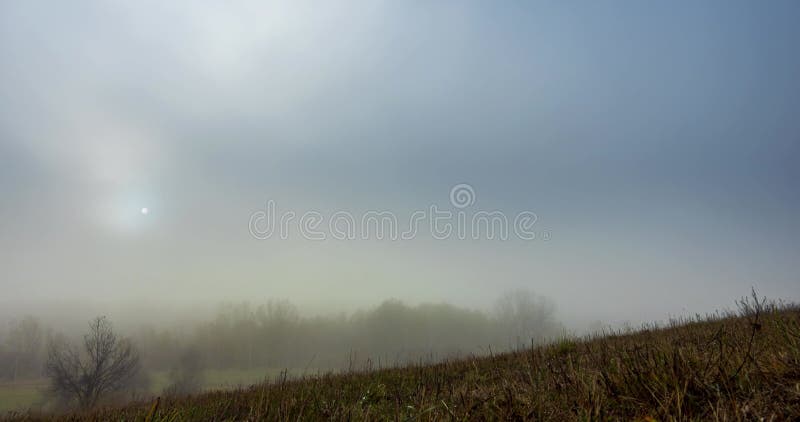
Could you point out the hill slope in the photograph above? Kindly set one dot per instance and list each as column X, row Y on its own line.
column 726, row 366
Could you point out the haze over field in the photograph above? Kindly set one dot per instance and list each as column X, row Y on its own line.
column 656, row 143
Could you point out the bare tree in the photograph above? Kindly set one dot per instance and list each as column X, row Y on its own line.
column 526, row 316
column 187, row 376
column 105, row 365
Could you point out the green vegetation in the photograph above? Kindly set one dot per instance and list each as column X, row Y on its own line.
column 21, row 395
column 743, row 366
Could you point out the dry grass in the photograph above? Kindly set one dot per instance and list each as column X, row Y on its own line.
column 728, row 366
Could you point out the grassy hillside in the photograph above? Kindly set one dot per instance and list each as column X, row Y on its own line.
column 743, row 365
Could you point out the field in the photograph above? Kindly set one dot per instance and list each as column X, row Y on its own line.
column 28, row 394
column 727, row 366
column 21, row 395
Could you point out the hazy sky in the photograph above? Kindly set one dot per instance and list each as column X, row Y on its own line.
column 657, row 143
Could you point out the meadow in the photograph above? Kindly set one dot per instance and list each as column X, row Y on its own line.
column 742, row 365
column 31, row 394
column 21, row 395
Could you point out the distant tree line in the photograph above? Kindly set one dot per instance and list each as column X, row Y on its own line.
column 22, row 349
column 84, row 369
column 276, row 335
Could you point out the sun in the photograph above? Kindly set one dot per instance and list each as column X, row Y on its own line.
column 145, row 211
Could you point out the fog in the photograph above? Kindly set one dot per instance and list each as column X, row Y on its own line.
column 276, row 335
column 653, row 147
